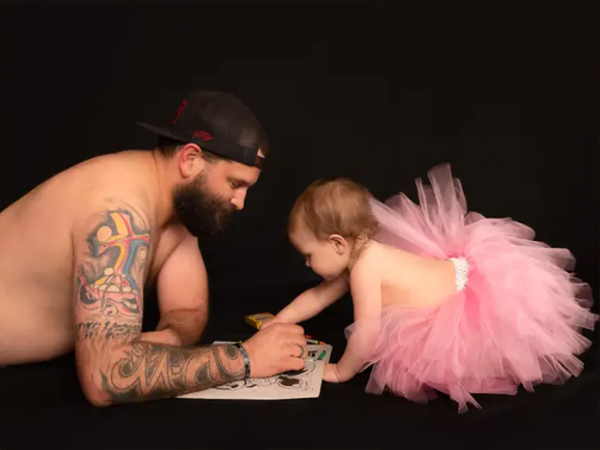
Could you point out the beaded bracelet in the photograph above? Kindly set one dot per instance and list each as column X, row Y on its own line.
column 246, row 360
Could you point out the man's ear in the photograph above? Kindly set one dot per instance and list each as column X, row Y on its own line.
column 190, row 160
column 339, row 243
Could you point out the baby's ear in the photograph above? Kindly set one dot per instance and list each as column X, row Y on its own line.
column 339, row 243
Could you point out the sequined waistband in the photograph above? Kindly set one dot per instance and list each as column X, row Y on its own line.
column 461, row 269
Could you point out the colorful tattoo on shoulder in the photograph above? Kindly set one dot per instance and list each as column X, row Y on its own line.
column 111, row 278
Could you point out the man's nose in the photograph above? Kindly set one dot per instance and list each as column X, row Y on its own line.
column 238, row 201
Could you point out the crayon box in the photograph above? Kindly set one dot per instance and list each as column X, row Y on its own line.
column 256, row 320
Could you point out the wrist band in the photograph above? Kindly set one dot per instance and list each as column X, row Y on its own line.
column 246, row 360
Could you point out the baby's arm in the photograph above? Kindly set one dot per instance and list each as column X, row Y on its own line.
column 365, row 282
column 313, row 301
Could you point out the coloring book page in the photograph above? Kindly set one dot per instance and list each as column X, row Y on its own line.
column 305, row 383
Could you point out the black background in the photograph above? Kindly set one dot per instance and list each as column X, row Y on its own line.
column 379, row 92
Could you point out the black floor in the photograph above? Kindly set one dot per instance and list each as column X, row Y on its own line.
column 42, row 406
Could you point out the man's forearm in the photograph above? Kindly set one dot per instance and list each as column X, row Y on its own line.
column 119, row 368
column 144, row 371
column 188, row 325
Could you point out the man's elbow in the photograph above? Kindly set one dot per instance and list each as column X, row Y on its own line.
column 199, row 320
column 94, row 393
column 93, row 389
column 97, row 401
column 92, row 381
column 187, row 325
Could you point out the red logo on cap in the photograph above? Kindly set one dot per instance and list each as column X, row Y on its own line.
column 203, row 135
column 179, row 110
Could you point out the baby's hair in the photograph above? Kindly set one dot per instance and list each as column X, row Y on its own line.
column 334, row 206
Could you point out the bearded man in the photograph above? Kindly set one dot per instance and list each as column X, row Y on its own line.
column 78, row 251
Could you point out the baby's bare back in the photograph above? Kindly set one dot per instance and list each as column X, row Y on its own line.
column 36, row 251
column 414, row 281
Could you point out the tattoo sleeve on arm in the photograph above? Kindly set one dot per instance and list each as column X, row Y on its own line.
column 148, row 371
column 114, row 365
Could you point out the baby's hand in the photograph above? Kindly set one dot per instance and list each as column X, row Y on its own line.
column 330, row 373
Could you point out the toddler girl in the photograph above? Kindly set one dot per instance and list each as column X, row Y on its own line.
column 443, row 299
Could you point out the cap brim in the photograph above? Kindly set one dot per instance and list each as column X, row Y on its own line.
column 168, row 134
column 161, row 131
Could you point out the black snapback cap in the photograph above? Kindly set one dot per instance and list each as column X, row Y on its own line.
column 217, row 122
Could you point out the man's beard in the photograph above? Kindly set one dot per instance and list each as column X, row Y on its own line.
column 199, row 210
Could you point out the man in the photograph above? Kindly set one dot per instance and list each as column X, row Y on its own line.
column 77, row 251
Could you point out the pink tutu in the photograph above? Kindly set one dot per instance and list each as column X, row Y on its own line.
column 516, row 321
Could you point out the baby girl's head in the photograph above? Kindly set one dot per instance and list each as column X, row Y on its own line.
column 327, row 222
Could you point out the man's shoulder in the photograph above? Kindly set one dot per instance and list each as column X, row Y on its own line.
column 116, row 192
column 122, row 211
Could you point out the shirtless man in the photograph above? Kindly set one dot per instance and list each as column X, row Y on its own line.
column 77, row 251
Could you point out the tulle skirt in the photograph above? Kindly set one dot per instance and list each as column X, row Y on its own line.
column 517, row 321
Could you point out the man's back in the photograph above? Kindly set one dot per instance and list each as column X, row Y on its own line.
column 36, row 251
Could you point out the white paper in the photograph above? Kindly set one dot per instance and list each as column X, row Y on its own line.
column 305, row 383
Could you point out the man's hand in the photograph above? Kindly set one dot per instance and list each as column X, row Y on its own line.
column 276, row 349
